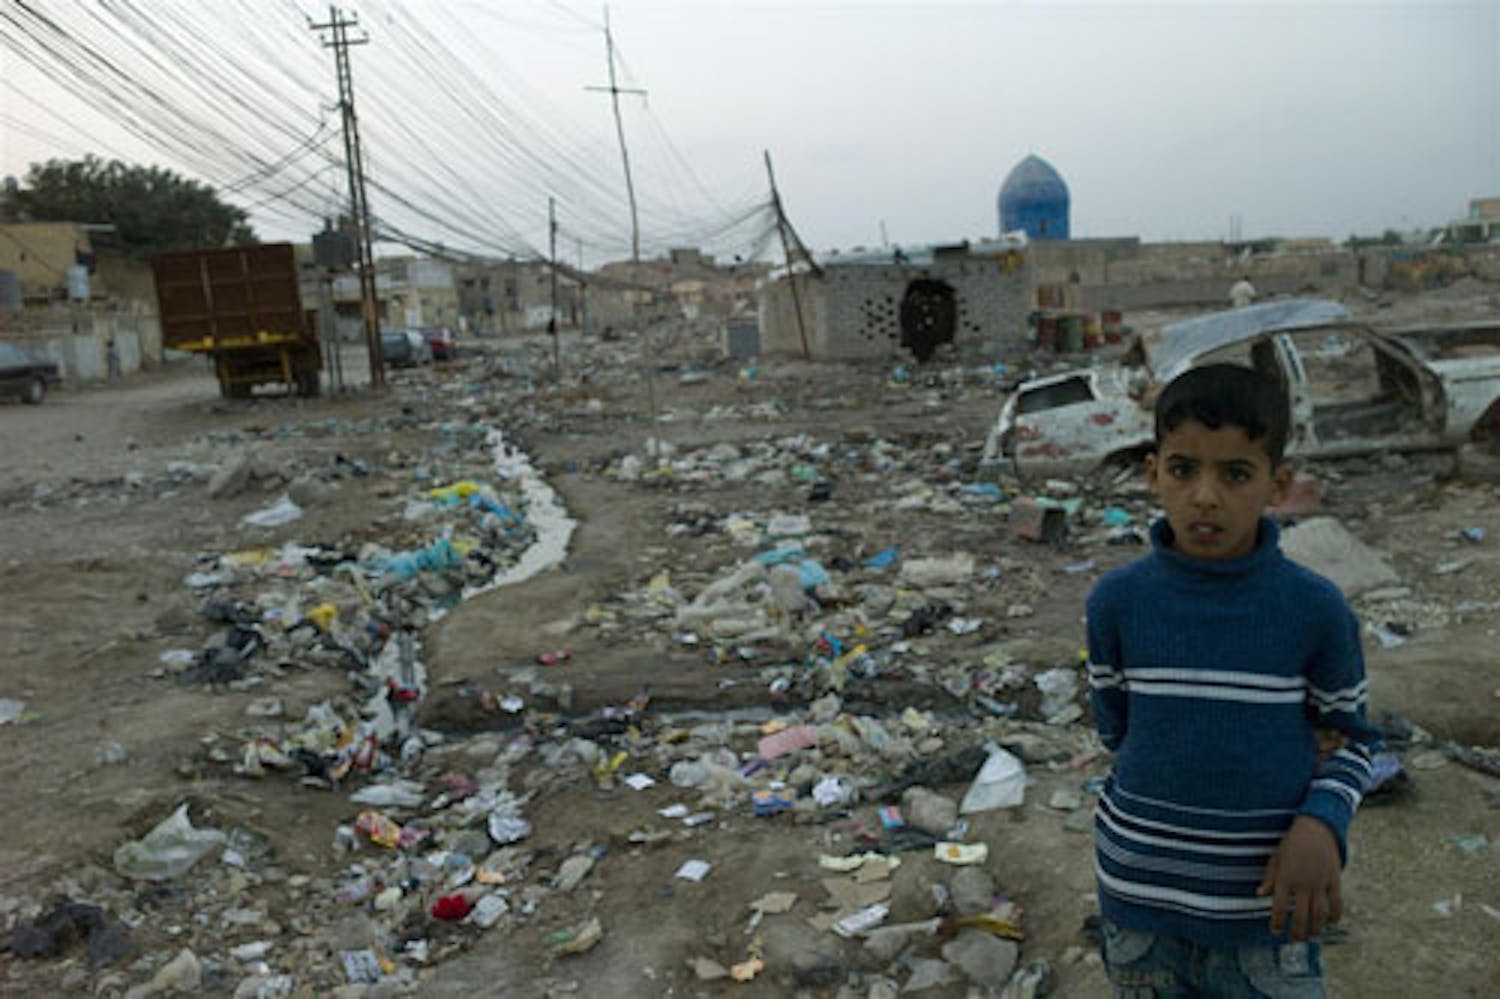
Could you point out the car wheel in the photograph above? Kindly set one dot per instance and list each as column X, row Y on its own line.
column 36, row 391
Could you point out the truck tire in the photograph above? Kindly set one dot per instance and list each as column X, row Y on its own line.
column 36, row 391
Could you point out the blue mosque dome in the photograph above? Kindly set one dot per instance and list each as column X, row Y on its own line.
column 1034, row 199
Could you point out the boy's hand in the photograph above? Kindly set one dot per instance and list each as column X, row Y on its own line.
column 1304, row 876
column 1330, row 741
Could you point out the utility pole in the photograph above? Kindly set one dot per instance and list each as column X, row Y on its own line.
column 583, row 294
column 614, row 91
column 791, row 274
column 359, row 203
column 552, row 269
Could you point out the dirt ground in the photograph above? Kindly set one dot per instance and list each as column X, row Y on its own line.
column 99, row 532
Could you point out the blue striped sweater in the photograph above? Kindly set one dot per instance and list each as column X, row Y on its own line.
column 1208, row 681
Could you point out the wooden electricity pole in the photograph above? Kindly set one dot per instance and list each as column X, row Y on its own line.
column 359, row 202
column 786, row 249
column 552, row 323
column 614, row 91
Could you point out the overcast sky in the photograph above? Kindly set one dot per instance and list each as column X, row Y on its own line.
column 1165, row 120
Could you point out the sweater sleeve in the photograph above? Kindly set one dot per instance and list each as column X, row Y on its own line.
column 1107, row 691
column 1336, row 693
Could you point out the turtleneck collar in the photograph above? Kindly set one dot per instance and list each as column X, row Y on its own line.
column 1266, row 551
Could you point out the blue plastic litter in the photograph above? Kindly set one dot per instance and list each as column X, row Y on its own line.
column 881, row 560
column 437, row 556
column 811, row 574
column 786, row 553
column 1115, row 516
column 505, row 513
column 988, row 490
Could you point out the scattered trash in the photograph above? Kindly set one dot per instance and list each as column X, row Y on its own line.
column 283, row 511
column 452, row 908
column 1001, row 783
column 961, row 853
column 53, row 934
column 575, row 940
column 746, row 971
column 774, row 903
column 862, row 921
column 693, row 870
column 787, row 741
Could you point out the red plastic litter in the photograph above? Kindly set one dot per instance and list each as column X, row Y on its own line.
column 554, row 657
column 452, row 907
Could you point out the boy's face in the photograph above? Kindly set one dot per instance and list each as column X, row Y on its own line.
column 1214, row 485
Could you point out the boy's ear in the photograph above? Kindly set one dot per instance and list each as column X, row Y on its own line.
column 1149, row 469
column 1281, row 483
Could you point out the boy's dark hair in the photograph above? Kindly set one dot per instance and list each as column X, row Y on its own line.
column 1220, row 395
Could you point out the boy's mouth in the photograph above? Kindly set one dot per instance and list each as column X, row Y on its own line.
column 1202, row 531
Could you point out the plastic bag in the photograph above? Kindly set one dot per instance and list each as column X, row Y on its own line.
column 1001, row 783
column 168, row 850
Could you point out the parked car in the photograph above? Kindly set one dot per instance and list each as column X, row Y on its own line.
column 25, row 375
column 404, row 348
column 1351, row 389
column 441, row 341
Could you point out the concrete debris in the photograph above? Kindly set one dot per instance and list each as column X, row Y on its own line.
column 1326, row 547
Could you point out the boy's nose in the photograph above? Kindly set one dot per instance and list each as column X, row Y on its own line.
column 1204, row 493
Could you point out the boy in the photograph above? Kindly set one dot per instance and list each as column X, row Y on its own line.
column 1213, row 663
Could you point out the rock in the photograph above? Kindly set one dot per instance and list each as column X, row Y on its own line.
column 884, row 943
column 232, row 478
column 973, row 890
column 308, row 491
column 912, row 896
column 986, row 960
column 707, row 970
column 928, row 811
column 572, row 871
column 1323, row 545
column 814, row 958
column 181, row 974
column 928, row 973
column 884, row 989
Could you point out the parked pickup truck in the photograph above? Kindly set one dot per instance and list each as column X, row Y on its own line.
column 1352, row 389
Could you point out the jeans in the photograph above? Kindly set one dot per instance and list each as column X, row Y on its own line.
column 1148, row 966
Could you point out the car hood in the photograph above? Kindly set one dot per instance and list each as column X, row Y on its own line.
column 1173, row 349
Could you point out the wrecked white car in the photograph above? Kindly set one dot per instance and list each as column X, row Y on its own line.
column 1352, row 389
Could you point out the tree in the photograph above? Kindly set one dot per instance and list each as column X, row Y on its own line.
column 153, row 209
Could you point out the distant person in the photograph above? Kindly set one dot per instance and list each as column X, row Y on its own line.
column 111, row 359
column 1229, row 683
column 1242, row 292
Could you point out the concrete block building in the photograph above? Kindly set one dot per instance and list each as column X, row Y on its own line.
column 970, row 299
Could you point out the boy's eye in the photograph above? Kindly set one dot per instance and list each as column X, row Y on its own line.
column 1237, row 475
column 1180, row 470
